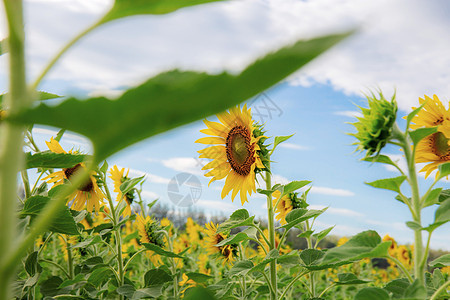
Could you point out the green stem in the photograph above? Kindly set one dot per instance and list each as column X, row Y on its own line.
column 269, row 284
column 26, row 183
column 69, row 260
column 43, row 221
column 441, row 289
column 132, row 257
column 311, row 276
column 11, row 140
column 56, row 265
column 273, row 264
column 402, row 267
column 117, row 235
column 141, row 204
column 419, row 271
column 62, row 51
column 327, row 289
column 292, row 283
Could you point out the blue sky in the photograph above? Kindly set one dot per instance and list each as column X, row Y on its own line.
column 400, row 44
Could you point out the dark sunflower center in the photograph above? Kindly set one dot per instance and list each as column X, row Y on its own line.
column 69, row 172
column 240, row 153
column 440, row 145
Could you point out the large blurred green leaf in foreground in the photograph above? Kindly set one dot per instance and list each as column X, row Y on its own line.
column 127, row 8
column 171, row 99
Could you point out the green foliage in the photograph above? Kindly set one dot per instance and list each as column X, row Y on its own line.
column 156, row 277
column 170, row 99
column 280, row 139
column 124, row 8
column 296, row 216
column 421, row 133
column 392, row 184
column 62, row 223
column 372, row 293
column 349, row 278
column 48, row 159
column 238, row 218
column 160, row 251
column 440, row 262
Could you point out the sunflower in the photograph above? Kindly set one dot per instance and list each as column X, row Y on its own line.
column 118, row 178
column 393, row 248
column 186, row 283
column 286, row 204
column 88, row 195
column 227, row 252
column 150, row 231
column 237, row 152
column 433, row 149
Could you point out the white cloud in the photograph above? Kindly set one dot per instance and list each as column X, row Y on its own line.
column 348, row 113
column 279, row 179
column 338, row 211
column 149, row 195
column 340, row 230
column 184, row 164
column 294, row 146
column 149, row 177
column 218, row 205
column 331, row 191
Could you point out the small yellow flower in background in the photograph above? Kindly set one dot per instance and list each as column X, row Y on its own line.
column 404, row 255
column 286, row 204
column 186, row 283
column 88, row 195
column 227, row 253
column 118, row 178
column 165, row 222
column 376, row 124
column 393, row 248
column 342, row 241
column 235, row 154
column 433, row 149
column 446, row 270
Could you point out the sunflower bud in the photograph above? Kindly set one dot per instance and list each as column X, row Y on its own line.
column 375, row 125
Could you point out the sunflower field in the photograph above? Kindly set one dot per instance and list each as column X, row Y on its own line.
column 80, row 228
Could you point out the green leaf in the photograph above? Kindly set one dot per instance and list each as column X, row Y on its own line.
column 444, row 170
column 126, row 290
column 100, row 275
column 441, row 216
column 445, row 194
column 412, row 114
column 420, row 133
column 160, row 251
column 319, row 236
column 248, row 233
column 50, row 287
column 238, row 218
column 366, row 244
column 271, row 256
column 199, row 293
column 241, row 268
column 125, row 8
column 3, row 48
column 40, row 96
column 371, row 293
column 31, row 264
column 392, row 184
column 48, row 159
column 170, row 99
column 156, row 277
column 440, row 262
column 432, row 197
column 294, row 185
column 349, row 278
column 280, row 139
column 380, row 159
column 129, row 184
column 63, row 222
column 305, row 234
column 397, row 287
column 198, row 277
column 289, row 260
column 415, row 291
column 150, row 292
column 299, row 215
column 414, row 225
column 311, row 256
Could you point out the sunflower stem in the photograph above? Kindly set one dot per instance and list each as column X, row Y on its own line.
column 311, row 276
column 116, row 234
column 419, row 254
column 69, row 260
column 273, row 264
column 11, row 140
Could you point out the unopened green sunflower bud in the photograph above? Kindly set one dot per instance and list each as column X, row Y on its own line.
column 375, row 125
